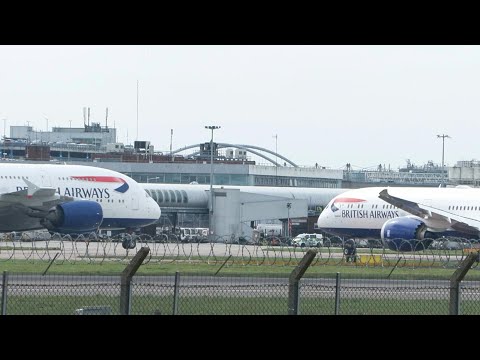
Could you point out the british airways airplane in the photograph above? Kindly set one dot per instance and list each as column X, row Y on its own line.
column 71, row 199
column 406, row 218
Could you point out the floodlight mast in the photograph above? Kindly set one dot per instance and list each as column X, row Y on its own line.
column 212, row 223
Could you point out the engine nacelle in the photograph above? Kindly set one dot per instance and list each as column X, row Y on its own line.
column 405, row 234
column 75, row 217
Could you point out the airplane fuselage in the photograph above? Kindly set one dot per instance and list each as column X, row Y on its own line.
column 124, row 203
column 361, row 213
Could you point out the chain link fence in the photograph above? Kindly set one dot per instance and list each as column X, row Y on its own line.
column 167, row 249
column 202, row 294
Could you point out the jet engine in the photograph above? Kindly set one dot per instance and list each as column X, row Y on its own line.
column 75, row 217
column 405, row 234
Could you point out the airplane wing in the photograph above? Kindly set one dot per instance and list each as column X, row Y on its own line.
column 33, row 196
column 433, row 215
column 23, row 209
column 408, row 206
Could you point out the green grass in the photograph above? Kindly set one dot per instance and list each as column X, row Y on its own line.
column 58, row 305
column 203, row 305
column 237, row 267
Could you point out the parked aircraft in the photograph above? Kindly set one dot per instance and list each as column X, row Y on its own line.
column 406, row 218
column 71, row 199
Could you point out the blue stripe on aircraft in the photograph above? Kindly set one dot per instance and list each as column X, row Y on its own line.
column 122, row 188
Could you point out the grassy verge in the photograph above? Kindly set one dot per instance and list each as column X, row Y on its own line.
column 237, row 267
column 202, row 305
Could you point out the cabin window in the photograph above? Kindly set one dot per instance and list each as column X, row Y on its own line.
column 166, row 195
column 159, row 195
column 172, row 196
column 153, row 194
column 185, row 196
column 179, row 196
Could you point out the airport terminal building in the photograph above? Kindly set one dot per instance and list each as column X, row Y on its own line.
column 94, row 145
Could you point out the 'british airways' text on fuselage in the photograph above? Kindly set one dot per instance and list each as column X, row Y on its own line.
column 79, row 192
column 378, row 214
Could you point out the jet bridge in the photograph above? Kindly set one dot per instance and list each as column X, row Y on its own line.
column 235, row 207
column 233, row 211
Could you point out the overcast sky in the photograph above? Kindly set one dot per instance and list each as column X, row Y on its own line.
column 331, row 105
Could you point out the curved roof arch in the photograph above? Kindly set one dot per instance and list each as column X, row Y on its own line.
column 245, row 147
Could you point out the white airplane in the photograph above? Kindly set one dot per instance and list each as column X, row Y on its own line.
column 405, row 218
column 71, row 199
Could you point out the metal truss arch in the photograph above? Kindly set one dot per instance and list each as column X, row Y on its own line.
column 244, row 147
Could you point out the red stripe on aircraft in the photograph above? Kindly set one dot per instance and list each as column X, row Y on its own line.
column 100, row 178
column 348, row 200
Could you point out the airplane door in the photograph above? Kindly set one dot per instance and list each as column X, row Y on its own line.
column 45, row 180
column 135, row 202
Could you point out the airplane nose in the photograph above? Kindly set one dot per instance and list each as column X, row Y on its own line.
column 321, row 219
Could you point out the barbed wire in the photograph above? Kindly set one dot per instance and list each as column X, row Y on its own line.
column 271, row 251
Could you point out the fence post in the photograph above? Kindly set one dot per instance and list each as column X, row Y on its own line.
column 337, row 294
column 4, row 293
column 126, row 279
column 293, row 281
column 457, row 277
column 175, row 293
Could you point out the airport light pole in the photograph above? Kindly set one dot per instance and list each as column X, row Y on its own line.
column 171, row 138
column 289, row 205
column 443, row 136
column 276, row 166
column 211, row 127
